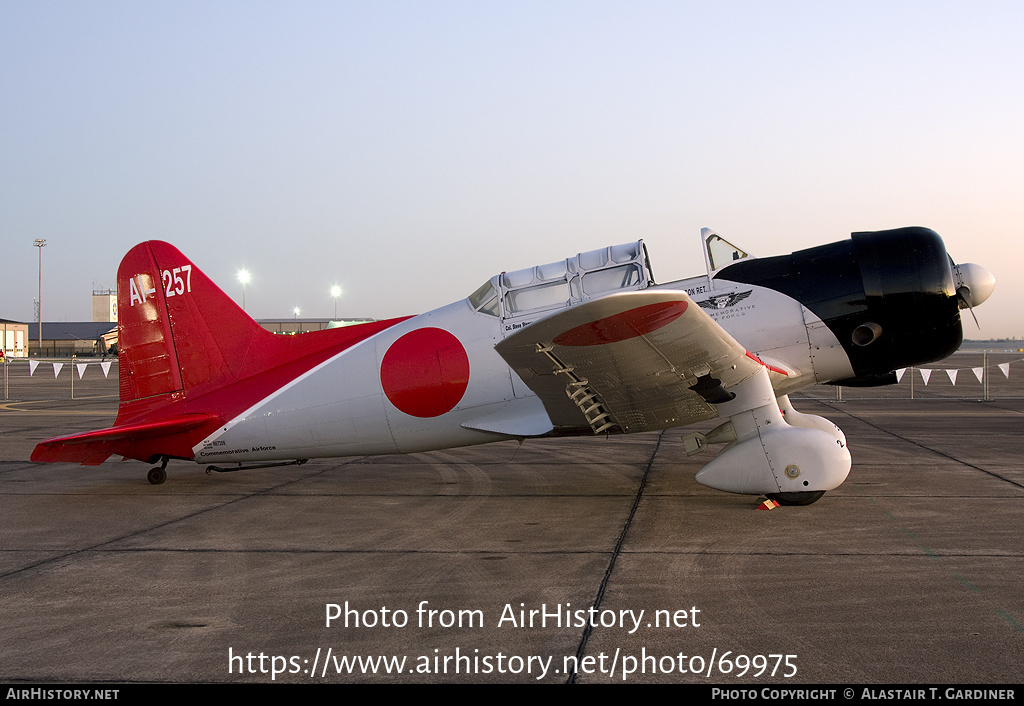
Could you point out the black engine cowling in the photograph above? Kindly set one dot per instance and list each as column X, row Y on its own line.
column 888, row 296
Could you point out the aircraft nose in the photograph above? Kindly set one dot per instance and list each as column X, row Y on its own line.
column 974, row 284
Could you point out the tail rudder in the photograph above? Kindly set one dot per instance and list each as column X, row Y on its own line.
column 147, row 360
column 177, row 330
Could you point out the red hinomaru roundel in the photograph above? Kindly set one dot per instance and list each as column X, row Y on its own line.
column 425, row 372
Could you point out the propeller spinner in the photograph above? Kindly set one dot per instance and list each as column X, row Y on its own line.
column 974, row 284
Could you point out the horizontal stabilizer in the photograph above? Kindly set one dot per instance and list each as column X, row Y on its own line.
column 94, row 447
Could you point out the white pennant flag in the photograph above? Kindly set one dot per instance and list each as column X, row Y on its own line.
column 56, row 368
column 81, row 369
column 925, row 373
column 1005, row 367
column 899, row 374
column 952, row 375
column 32, row 366
column 979, row 373
column 105, row 367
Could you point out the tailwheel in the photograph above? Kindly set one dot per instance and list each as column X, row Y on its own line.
column 158, row 474
column 799, row 498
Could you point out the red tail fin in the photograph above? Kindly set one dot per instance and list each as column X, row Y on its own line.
column 179, row 332
column 190, row 359
column 147, row 359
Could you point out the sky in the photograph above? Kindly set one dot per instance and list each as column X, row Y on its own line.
column 407, row 151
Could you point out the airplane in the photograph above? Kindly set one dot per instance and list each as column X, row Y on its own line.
column 589, row 345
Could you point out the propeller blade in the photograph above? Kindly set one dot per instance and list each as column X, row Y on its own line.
column 967, row 304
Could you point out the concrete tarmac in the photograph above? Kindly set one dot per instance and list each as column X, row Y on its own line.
column 908, row 573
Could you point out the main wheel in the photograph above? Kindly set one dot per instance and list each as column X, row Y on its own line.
column 157, row 475
column 801, row 498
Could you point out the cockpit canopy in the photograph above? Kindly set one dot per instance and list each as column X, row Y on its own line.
column 559, row 284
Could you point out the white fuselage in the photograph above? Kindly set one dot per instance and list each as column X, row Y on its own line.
column 341, row 407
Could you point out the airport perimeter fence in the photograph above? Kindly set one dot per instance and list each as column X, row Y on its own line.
column 968, row 374
column 971, row 374
column 35, row 379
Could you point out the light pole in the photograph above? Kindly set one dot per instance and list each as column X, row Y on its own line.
column 297, row 311
column 335, row 292
column 40, row 243
column 243, row 277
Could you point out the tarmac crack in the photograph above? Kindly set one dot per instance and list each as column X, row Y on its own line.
column 922, row 446
column 490, row 553
column 585, row 637
column 136, row 533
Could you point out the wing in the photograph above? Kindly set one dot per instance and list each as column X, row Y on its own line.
column 635, row 361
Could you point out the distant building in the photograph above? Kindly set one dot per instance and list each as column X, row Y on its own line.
column 15, row 338
column 293, row 325
column 62, row 339
column 104, row 305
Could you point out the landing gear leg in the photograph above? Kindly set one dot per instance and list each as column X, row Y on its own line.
column 158, row 474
